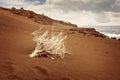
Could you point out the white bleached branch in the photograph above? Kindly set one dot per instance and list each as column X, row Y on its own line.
column 52, row 44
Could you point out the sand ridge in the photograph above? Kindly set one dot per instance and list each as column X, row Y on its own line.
column 91, row 58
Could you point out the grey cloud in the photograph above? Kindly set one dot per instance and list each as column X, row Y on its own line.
column 102, row 18
column 116, row 15
column 35, row 2
column 98, row 7
column 95, row 6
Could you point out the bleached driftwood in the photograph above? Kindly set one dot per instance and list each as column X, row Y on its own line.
column 52, row 44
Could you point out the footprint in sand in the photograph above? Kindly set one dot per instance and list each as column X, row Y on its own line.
column 9, row 63
column 65, row 78
column 7, row 67
column 41, row 70
column 57, row 78
column 14, row 77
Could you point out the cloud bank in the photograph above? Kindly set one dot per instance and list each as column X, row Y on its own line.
column 80, row 12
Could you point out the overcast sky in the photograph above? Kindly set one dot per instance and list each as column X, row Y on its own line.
column 80, row 12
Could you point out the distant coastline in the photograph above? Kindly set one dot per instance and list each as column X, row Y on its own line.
column 110, row 31
column 111, row 35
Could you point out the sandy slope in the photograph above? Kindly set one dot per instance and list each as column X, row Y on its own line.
column 92, row 58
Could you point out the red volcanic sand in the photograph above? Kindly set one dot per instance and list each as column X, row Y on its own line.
column 91, row 58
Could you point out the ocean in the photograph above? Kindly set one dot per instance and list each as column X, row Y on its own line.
column 110, row 31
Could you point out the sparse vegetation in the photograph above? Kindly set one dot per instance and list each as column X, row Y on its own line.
column 21, row 8
column 13, row 8
column 51, row 45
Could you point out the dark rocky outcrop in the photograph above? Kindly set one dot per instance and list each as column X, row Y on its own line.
column 45, row 20
column 39, row 18
column 113, row 38
column 88, row 31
